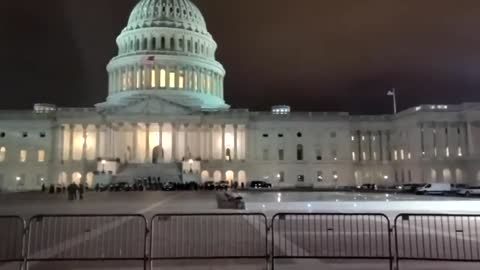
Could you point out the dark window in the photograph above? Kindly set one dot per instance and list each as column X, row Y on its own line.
column 301, row 178
column 299, row 134
column 299, row 152
column 280, row 135
column 2, row 135
column 154, row 43
column 162, row 43
column 25, row 134
column 281, row 154
column 265, row 135
column 333, row 135
column 43, row 134
column 319, row 157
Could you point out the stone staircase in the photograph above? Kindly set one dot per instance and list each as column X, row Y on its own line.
column 168, row 172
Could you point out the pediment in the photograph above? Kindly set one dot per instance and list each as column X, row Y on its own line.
column 149, row 105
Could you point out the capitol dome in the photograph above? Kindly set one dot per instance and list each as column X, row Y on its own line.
column 166, row 51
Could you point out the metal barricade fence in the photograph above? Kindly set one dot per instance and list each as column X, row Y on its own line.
column 331, row 236
column 208, row 236
column 86, row 238
column 12, row 237
column 424, row 237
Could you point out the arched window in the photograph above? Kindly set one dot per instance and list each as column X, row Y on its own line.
column 76, row 178
column 459, row 176
column 145, row 44
column 137, row 44
column 172, row 44
column 196, row 47
column 171, row 82
column 189, row 46
column 154, row 43
column 217, row 176
column 181, row 80
column 181, row 44
column 3, row 153
column 153, row 78
column 130, row 48
column 447, row 176
column 299, row 152
column 205, row 176
column 162, row 43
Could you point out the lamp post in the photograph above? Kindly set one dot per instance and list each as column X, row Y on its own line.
column 393, row 93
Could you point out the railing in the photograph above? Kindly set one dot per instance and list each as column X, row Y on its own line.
column 454, row 238
column 86, row 238
column 12, row 237
column 122, row 239
column 331, row 236
column 208, row 236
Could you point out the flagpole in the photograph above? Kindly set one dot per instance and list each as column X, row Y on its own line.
column 394, row 101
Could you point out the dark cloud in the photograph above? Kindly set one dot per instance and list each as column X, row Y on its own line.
column 314, row 55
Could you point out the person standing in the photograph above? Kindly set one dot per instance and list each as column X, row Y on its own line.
column 81, row 190
column 75, row 190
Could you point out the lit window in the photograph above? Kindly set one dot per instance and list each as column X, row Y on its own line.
column 418, row 108
column 354, row 156
column 447, row 152
column 181, row 80
column 335, row 176
column 195, row 81
column 402, row 154
column 353, row 138
column 395, row 155
column 460, row 152
column 124, row 81
column 171, row 82
column 23, row 155
column 41, row 156
column 435, row 152
column 374, row 155
column 153, row 77
column 163, row 79
column 144, row 78
column 138, row 79
column 409, row 155
column 364, row 156
column 363, row 138
column 129, row 83
column 3, row 152
column 374, row 138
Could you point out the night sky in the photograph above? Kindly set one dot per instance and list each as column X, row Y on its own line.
column 315, row 55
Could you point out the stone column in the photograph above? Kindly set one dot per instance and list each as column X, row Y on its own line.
column 84, row 146
column 210, row 142
column 147, row 143
column 135, row 141
column 235, row 148
column 97, row 141
column 62, row 143
column 185, row 142
column 470, row 140
column 70, row 149
column 223, row 142
column 174, row 142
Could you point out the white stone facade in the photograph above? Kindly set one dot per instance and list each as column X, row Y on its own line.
column 165, row 112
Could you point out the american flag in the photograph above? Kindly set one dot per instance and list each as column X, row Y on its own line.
column 148, row 60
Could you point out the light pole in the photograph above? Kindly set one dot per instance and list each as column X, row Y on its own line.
column 393, row 93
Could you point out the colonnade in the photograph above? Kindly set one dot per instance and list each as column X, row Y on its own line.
column 159, row 77
column 371, row 145
column 153, row 142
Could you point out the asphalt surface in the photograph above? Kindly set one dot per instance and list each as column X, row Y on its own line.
column 184, row 241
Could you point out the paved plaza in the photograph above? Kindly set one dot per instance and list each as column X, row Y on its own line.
column 176, row 236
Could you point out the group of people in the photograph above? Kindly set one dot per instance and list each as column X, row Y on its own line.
column 74, row 190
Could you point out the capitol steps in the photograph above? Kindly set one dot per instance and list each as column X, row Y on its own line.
column 168, row 172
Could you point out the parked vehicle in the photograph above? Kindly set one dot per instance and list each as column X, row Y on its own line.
column 260, row 185
column 368, row 187
column 169, row 186
column 469, row 191
column 121, row 186
column 222, row 185
column 437, row 188
column 411, row 187
column 458, row 187
column 210, row 185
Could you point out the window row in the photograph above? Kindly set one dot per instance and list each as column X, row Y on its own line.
column 299, row 154
column 301, row 178
column 153, row 78
column 299, row 135
column 23, row 155
column 24, row 134
column 164, row 43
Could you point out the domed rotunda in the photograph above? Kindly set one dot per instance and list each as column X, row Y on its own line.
column 166, row 52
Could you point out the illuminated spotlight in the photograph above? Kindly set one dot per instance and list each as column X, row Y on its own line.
column 309, row 205
column 385, row 177
column 18, row 178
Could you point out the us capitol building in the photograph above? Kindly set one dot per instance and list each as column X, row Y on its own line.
column 165, row 116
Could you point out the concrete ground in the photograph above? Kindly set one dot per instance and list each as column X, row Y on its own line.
column 180, row 236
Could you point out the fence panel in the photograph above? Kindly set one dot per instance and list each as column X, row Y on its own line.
column 331, row 236
column 437, row 237
column 12, row 230
column 56, row 238
column 208, row 236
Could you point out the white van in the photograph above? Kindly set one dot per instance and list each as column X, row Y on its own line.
column 436, row 188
